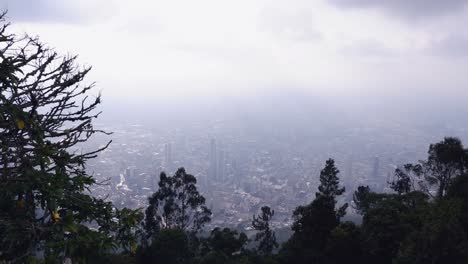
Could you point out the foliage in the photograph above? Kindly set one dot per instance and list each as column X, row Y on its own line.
column 169, row 246
column 265, row 237
column 446, row 160
column 45, row 113
column 344, row 244
column 176, row 205
column 47, row 214
column 314, row 222
column 225, row 241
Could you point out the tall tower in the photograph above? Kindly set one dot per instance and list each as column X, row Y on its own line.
column 221, row 166
column 349, row 169
column 375, row 168
column 155, row 178
column 213, row 169
column 168, row 156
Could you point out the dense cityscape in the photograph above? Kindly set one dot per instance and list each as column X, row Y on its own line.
column 239, row 167
column 233, row 132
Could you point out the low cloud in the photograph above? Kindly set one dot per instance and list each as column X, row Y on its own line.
column 295, row 25
column 410, row 9
column 455, row 46
column 367, row 48
column 55, row 11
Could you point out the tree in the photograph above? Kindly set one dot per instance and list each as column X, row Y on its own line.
column 225, row 241
column 325, row 200
column 404, row 181
column 446, row 160
column 265, row 237
column 176, row 205
column 45, row 113
column 344, row 244
column 363, row 199
column 314, row 222
column 170, row 246
column 439, row 239
column 329, row 181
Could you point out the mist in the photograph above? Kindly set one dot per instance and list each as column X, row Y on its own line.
column 250, row 103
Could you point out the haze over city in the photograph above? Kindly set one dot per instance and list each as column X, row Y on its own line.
column 252, row 97
column 295, row 82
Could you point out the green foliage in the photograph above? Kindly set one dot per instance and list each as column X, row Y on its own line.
column 176, row 205
column 440, row 239
column 45, row 207
column 314, row 222
column 170, row 246
column 387, row 222
column 344, row 244
column 329, row 181
column 265, row 236
column 128, row 232
column 45, row 113
column 446, row 160
column 215, row 257
column 225, row 242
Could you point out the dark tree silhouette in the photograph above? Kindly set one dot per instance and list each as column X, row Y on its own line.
column 45, row 113
column 446, row 160
column 328, row 190
column 169, row 246
column 265, row 236
column 176, row 205
column 314, row 222
column 329, row 181
column 225, row 241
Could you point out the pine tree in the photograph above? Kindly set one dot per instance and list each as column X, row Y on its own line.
column 314, row 222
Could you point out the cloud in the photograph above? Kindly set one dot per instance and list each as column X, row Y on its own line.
column 154, row 48
column 55, row 11
column 368, row 48
column 454, row 46
column 407, row 8
column 295, row 24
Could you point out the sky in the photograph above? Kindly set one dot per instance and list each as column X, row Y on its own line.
column 151, row 48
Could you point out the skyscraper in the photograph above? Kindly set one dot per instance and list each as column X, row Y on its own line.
column 213, row 167
column 168, row 156
column 155, row 178
column 221, row 166
column 348, row 170
column 376, row 168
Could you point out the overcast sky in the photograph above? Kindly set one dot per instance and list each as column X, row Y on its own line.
column 154, row 48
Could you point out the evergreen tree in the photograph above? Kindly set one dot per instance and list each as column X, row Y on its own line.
column 45, row 113
column 329, row 182
column 265, row 236
column 344, row 244
column 314, row 222
column 325, row 200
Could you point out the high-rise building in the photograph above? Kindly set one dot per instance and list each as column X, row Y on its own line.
column 168, row 156
column 155, row 178
column 221, row 166
column 213, row 167
column 348, row 170
column 376, row 168
column 235, row 170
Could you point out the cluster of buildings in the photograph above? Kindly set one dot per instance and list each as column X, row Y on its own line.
column 239, row 171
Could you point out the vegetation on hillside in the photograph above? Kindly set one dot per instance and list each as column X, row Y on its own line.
column 48, row 215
